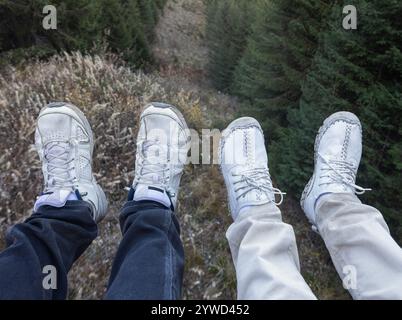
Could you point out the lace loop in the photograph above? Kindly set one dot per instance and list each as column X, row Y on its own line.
column 256, row 179
column 58, row 162
column 338, row 171
column 154, row 168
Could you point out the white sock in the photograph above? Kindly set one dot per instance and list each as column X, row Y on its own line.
column 151, row 193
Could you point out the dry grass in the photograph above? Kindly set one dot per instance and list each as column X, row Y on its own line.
column 180, row 35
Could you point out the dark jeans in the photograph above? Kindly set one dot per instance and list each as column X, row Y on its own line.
column 148, row 265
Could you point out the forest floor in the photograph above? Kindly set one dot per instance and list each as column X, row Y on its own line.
column 112, row 96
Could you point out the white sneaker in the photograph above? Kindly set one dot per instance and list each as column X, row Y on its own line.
column 162, row 145
column 244, row 165
column 65, row 143
column 338, row 151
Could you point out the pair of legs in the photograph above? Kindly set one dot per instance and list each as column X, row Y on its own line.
column 149, row 262
column 150, row 259
column 368, row 260
column 366, row 257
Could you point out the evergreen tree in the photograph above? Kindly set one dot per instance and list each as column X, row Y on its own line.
column 115, row 25
column 18, row 24
column 358, row 71
column 282, row 44
column 227, row 30
column 160, row 4
column 148, row 11
column 81, row 25
column 138, row 51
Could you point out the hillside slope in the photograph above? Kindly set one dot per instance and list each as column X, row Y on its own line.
column 112, row 96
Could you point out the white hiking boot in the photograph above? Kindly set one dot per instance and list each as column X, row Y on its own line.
column 338, row 151
column 162, row 145
column 65, row 143
column 244, row 165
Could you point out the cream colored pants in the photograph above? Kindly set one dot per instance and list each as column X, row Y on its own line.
column 366, row 257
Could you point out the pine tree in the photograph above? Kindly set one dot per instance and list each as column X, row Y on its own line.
column 148, row 12
column 227, row 30
column 138, row 50
column 160, row 4
column 13, row 33
column 81, row 26
column 357, row 71
column 114, row 24
column 282, row 44
column 21, row 24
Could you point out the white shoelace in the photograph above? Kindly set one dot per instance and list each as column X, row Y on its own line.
column 343, row 172
column 57, row 155
column 256, row 179
column 154, row 165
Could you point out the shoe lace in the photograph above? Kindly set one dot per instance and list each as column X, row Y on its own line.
column 339, row 171
column 256, row 179
column 154, row 166
column 58, row 161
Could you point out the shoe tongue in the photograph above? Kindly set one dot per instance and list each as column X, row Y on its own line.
column 152, row 193
column 58, row 148
column 153, row 178
column 156, row 157
column 56, row 199
column 155, row 152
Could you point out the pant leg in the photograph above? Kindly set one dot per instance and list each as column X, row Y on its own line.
column 265, row 256
column 366, row 257
column 150, row 259
column 50, row 237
